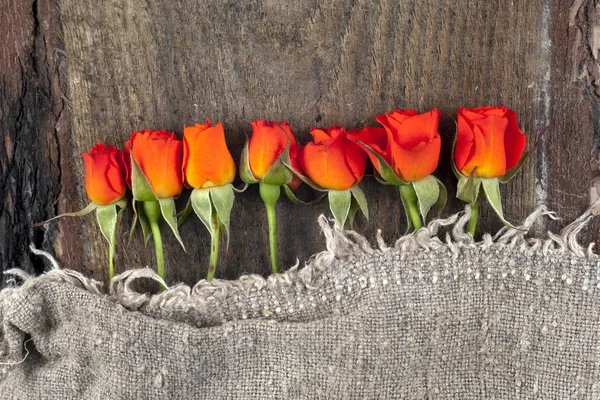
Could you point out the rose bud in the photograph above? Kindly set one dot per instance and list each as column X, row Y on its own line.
column 488, row 138
column 266, row 144
column 159, row 155
column 331, row 160
column 209, row 168
column 268, row 159
column 405, row 152
column 294, row 154
column 154, row 159
column 412, row 146
column 106, row 186
column 104, row 174
column 206, row 160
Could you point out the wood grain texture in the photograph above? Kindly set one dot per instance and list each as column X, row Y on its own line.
column 155, row 64
column 34, row 127
column 572, row 147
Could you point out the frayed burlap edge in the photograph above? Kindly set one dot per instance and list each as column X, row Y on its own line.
column 340, row 245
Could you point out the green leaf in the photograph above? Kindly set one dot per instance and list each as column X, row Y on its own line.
column 491, row 188
column 361, row 200
column 468, row 188
column 245, row 171
column 385, row 170
column 140, row 186
column 279, row 174
column 428, row 193
column 222, row 199
column 339, row 204
column 290, row 194
column 202, row 205
column 167, row 209
column 107, row 220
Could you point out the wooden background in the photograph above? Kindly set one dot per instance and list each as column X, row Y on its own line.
column 76, row 72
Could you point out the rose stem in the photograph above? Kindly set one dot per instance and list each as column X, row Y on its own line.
column 111, row 257
column 411, row 201
column 473, row 220
column 270, row 195
column 152, row 210
column 214, row 247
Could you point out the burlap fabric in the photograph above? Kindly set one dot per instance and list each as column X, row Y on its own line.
column 505, row 318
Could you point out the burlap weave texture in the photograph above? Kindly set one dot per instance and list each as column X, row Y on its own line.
column 446, row 318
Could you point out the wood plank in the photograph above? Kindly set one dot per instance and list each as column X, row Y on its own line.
column 572, row 145
column 158, row 64
column 35, row 132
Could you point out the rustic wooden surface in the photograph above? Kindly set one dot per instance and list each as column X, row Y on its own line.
column 87, row 71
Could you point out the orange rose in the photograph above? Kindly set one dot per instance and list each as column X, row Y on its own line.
column 331, row 160
column 159, row 155
column 267, row 143
column 375, row 138
column 488, row 138
column 411, row 143
column 206, row 160
column 104, row 174
column 294, row 154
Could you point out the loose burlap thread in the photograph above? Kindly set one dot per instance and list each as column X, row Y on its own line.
column 508, row 317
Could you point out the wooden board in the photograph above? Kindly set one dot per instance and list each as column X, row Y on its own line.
column 155, row 64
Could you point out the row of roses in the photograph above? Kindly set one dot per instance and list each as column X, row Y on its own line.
column 405, row 151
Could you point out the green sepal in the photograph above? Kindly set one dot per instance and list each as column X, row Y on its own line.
column 139, row 215
column 513, row 171
column 386, row 172
column 222, row 198
column 306, row 179
column 290, row 194
column 468, row 188
column 122, row 204
column 430, row 191
column 361, row 200
column 380, row 179
column 409, row 224
column 352, row 212
column 358, row 202
column 491, row 188
column 167, row 209
column 245, row 171
column 107, row 221
column 140, row 186
column 279, row 174
column 184, row 215
column 339, row 204
column 85, row 211
column 202, row 206
column 242, row 190
column 455, row 170
column 144, row 222
column 442, row 199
